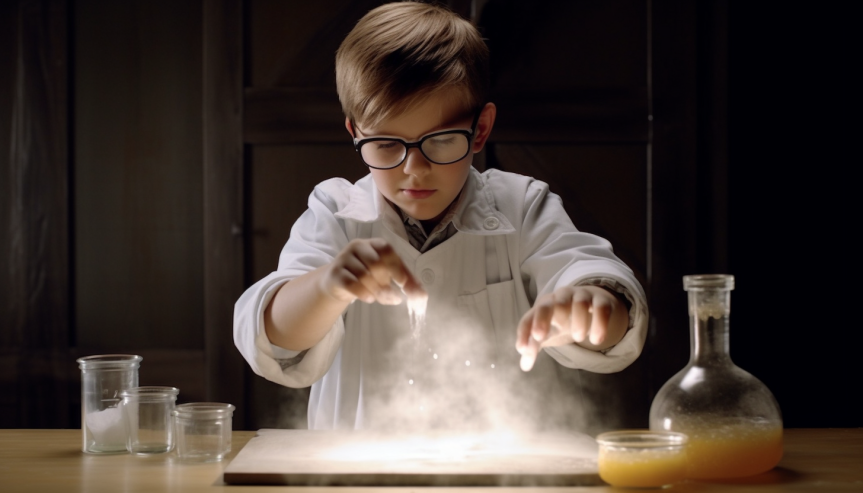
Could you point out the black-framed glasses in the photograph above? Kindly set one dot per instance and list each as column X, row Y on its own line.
column 444, row 147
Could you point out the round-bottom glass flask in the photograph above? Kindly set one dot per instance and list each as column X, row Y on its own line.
column 731, row 418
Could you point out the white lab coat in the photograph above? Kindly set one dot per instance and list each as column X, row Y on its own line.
column 514, row 242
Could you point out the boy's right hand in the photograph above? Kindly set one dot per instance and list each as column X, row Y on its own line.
column 365, row 269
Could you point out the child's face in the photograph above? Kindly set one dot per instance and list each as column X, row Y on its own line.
column 420, row 188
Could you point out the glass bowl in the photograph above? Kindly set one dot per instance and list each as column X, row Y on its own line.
column 642, row 458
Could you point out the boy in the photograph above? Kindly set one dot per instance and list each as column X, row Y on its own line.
column 504, row 270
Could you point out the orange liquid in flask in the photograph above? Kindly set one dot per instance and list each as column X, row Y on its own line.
column 730, row 450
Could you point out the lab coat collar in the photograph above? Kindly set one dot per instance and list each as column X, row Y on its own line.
column 477, row 213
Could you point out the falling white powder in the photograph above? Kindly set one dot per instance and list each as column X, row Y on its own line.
column 417, row 312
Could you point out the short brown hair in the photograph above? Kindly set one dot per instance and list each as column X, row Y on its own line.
column 402, row 52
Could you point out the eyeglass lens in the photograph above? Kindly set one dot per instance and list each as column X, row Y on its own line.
column 442, row 148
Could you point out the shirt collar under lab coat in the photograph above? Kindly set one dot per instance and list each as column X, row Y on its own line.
column 477, row 213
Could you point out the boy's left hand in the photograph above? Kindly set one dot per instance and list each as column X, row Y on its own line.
column 589, row 316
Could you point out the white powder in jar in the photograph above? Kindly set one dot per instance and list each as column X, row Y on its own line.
column 106, row 426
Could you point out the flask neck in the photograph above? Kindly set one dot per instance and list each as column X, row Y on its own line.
column 709, row 312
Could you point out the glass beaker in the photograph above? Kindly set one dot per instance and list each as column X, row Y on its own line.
column 103, row 377
column 147, row 415
column 731, row 418
column 203, row 430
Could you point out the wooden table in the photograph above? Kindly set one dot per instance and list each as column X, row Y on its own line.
column 51, row 460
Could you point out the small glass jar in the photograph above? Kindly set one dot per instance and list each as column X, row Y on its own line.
column 642, row 458
column 732, row 420
column 147, row 415
column 103, row 377
column 203, row 430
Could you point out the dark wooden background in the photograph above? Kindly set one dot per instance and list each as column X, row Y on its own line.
column 153, row 155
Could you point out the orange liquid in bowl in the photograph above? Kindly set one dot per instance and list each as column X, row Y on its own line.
column 641, row 458
column 642, row 468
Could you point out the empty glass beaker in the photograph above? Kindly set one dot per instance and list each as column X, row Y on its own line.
column 103, row 377
column 203, row 430
column 731, row 418
column 147, row 415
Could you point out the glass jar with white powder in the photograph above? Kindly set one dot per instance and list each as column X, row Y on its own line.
column 103, row 377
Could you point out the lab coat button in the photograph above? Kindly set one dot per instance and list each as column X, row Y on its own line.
column 491, row 223
column 427, row 276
